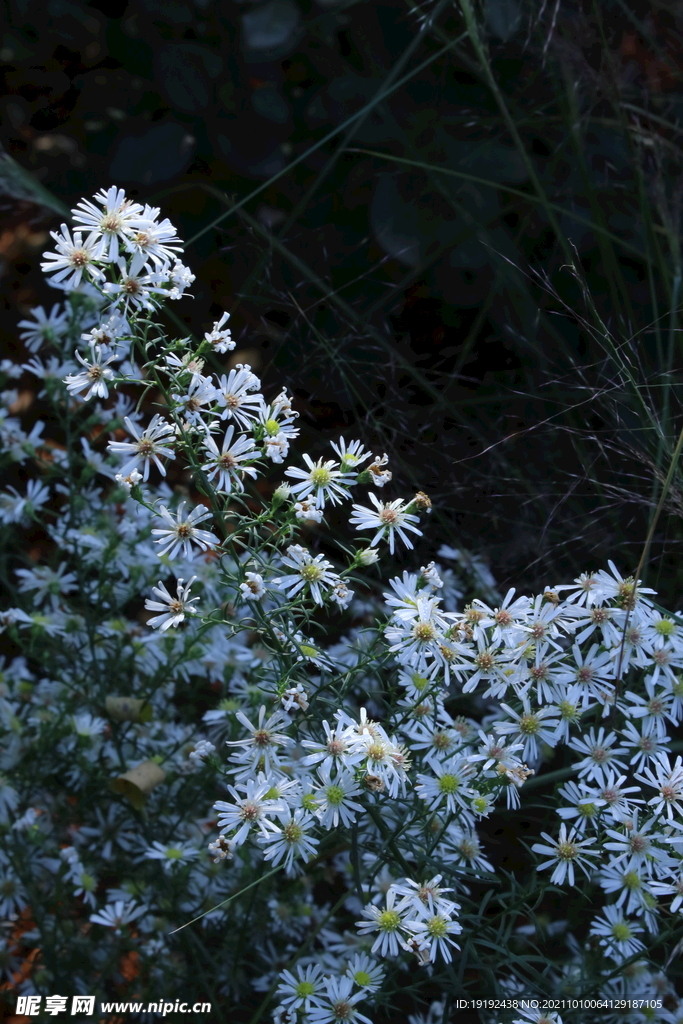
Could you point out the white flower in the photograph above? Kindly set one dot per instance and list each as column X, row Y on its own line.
column 250, row 810
column 173, row 609
column 234, row 395
column 277, row 447
column 129, row 481
column 308, row 512
column 219, row 336
column 171, row 854
column 200, row 392
column 341, row 595
column 263, row 741
column 148, row 445
column 669, row 783
column 529, row 727
column 292, row 840
column 340, row 1006
column 44, row 327
column 74, row 258
column 448, row 784
column 334, row 801
column 565, row 851
column 311, row 572
column 179, row 277
column 388, row 923
column 617, row 935
column 380, row 475
column 181, row 531
column 112, row 220
column 136, row 288
column 364, row 972
column 253, row 588
column 350, row 456
column 388, row 518
column 115, row 915
column 433, row 934
column 303, row 990
column 294, row 697
column 226, row 463
column 323, row 479
column 152, row 239
column 94, row 374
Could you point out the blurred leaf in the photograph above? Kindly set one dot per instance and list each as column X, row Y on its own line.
column 269, row 102
column 184, row 70
column 395, row 222
column 488, row 159
column 503, row 18
column 169, row 11
column 272, row 27
column 18, row 185
column 158, row 155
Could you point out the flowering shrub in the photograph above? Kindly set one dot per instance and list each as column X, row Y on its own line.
column 307, row 847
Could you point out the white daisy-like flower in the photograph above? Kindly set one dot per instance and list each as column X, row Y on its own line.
column 263, row 741
column 94, row 375
column 148, row 445
column 75, row 257
column 173, row 609
column 388, row 923
column 387, row 518
column 309, row 571
column 151, row 239
column 365, row 972
column 199, row 394
column 617, row 935
column 351, row 455
column 307, row 511
column 433, row 935
column 236, row 398
column 251, row 810
column 116, row 914
column 226, row 463
column 112, row 219
column 668, row 781
column 323, row 479
column 137, row 286
column 45, row 327
column 181, row 531
column 564, row 852
column 172, row 854
column 219, row 337
column 334, row 798
column 302, row 990
column 340, row 1004
column 253, row 588
column 292, row 840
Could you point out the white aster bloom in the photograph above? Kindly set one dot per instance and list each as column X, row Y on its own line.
column 181, row 531
column 171, row 854
column 334, row 798
column 112, row 220
column 309, row 572
column 617, row 935
column 252, row 809
column 219, row 337
column 387, row 518
column 339, row 1006
column 75, row 257
column 253, row 588
column 302, row 990
column 388, row 923
column 173, row 609
column 94, row 375
column 199, row 394
column 115, row 915
column 148, row 446
column 668, row 781
column 564, row 852
column 225, row 465
column 45, row 327
column 324, row 480
column 235, row 396
column 292, row 841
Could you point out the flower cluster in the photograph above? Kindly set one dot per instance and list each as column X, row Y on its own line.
column 217, row 769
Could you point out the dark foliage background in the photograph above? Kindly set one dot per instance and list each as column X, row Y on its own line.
column 388, row 202
column 452, row 229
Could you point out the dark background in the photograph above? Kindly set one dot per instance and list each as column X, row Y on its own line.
column 433, row 315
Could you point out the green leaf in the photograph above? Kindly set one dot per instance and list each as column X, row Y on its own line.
column 18, row 184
